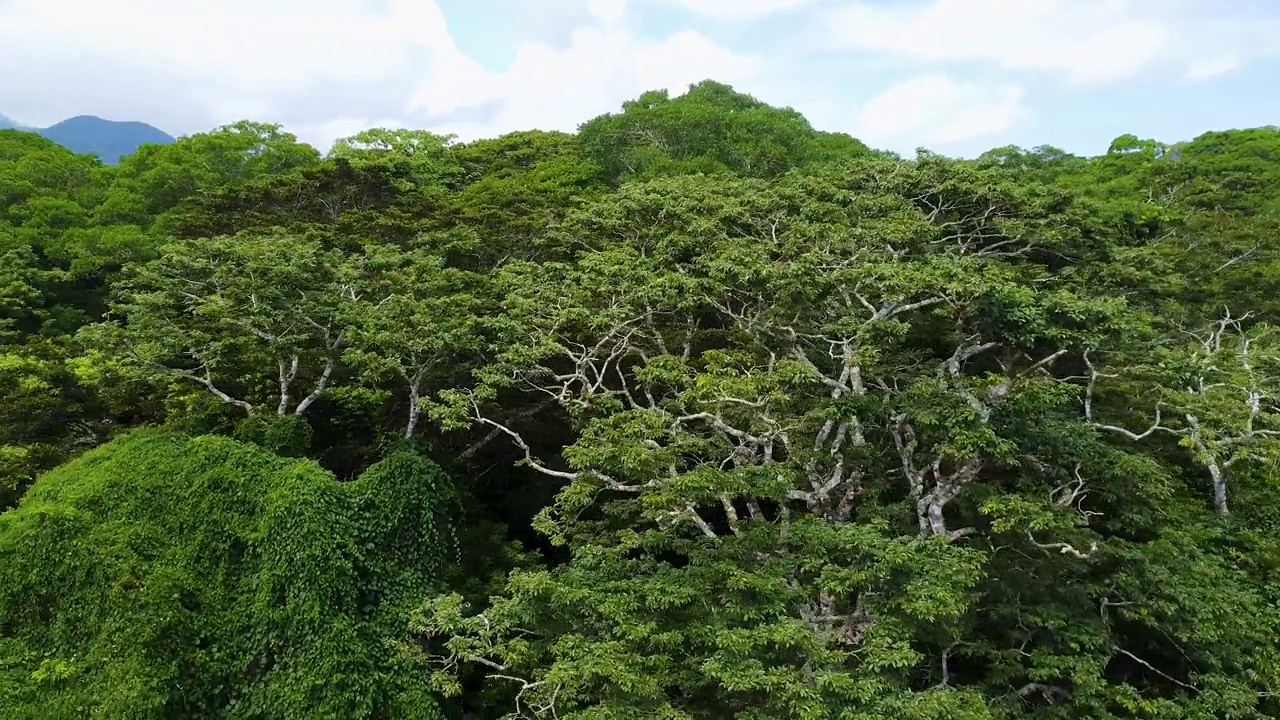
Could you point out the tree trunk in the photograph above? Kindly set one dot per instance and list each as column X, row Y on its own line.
column 415, row 412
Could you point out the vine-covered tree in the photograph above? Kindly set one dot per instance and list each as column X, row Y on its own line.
column 164, row 576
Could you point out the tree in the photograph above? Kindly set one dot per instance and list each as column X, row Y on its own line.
column 711, row 129
column 516, row 187
column 348, row 204
column 1224, row 388
column 426, row 151
column 246, row 318
column 53, row 253
column 204, row 577
column 53, row 263
column 157, row 178
column 424, row 327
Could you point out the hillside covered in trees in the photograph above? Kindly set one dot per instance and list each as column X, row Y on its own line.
column 695, row 413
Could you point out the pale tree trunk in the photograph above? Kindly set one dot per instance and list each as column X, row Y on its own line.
column 415, row 410
column 1216, row 471
column 287, row 375
column 321, row 385
column 1219, row 489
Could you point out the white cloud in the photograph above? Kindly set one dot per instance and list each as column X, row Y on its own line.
column 326, row 68
column 602, row 66
column 186, row 66
column 1214, row 46
column 1213, row 67
column 935, row 110
column 1088, row 41
column 320, row 65
column 257, row 45
column 740, row 9
column 609, row 13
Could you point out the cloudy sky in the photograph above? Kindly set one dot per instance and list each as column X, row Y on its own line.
column 957, row 76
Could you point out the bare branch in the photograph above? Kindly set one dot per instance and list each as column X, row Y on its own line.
column 1050, row 692
column 1044, row 362
column 489, row 437
column 953, row 368
column 207, row 383
column 731, row 513
column 1239, row 258
column 528, row 452
column 1155, row 425
column 1156, row 670
column 333, row 345
column 996, row 393
column 945, row 664
column 537, row 465
column 1064, row 548
column 322, row 384
column 691, row 512
column 1094, row 374
column 930, row 504
column 1210, row 460
column 719, row 423
column 1072, row 495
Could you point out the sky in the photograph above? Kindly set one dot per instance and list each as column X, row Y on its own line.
column 955, row 76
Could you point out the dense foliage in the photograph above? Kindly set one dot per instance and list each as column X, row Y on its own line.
column 160, row 576
column 745, row 420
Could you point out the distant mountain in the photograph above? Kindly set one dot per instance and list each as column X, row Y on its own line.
column 108, row 139
column 87, row 134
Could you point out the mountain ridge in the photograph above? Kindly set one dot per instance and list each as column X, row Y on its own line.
column 92, row 135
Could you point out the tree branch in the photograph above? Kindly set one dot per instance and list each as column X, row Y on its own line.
column 1064, row 548
column 1088, row 408
column 207, row 383
column 1157, row 670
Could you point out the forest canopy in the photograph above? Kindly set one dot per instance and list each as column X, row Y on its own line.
column 697, row 412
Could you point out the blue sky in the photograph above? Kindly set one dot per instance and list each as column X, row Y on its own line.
column 956, row 76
